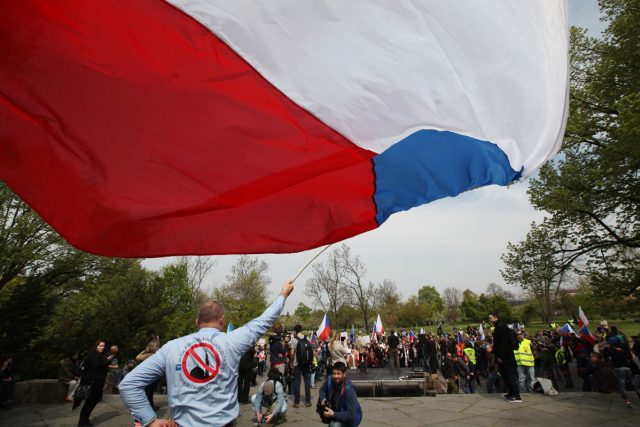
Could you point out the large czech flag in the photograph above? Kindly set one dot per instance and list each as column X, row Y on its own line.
column 161, row 127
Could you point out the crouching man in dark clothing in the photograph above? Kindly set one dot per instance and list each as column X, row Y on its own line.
column 338, row 404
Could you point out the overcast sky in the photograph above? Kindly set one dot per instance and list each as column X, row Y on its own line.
column 452, row 242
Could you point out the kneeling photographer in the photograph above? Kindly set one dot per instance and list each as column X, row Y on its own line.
column 338, row 404
column 269, row 402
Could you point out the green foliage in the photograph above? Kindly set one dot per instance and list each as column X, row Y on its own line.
column 497, row 303
column 592, row 190
column 476, row 308
column 387, row 299
column 539, row 265
column 303, row 312
column 119, row 302
column 245, row 292
column 429, row 295
column 413, row 312
column 526, row 313
column 469, row 307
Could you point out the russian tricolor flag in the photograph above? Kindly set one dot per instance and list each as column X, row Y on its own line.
column 164, row 127
column 324, row 331
column 566, row 329
column 377, row 327
column 582, row 318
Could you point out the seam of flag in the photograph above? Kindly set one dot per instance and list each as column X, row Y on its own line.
column 301, row 107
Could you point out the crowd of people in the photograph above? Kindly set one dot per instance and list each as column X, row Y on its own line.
column 469, row 361
column 495, row 357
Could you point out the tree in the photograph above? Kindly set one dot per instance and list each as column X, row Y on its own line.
column 245, row 290
column 539, row 265
column 32, row 250
column 429, row 295
column 303, row 312
column 413, row 312
column 451, row 297
column 592, row 190
column 326, row 287
column 470, row 307
column 387, row 296
column 387, row 301
column 494, row 303
column 197, row 268
column 121, row 303
column 494, row 289
column 353, row 273
column 527, row 312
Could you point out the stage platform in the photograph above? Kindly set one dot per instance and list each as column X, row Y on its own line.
column 384, row 382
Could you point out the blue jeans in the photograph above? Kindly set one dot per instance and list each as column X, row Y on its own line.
column 302, row 372
column 471, row 383
column 526, row 374
column 464, row 384
column 623, row 374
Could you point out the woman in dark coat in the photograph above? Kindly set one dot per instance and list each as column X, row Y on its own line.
column 95, row 371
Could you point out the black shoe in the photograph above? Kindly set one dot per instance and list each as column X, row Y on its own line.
column 514, row 399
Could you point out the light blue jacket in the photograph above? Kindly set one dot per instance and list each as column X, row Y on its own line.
column 202, row 373
column 280, row 399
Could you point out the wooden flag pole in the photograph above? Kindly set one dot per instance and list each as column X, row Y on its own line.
column 309, row 263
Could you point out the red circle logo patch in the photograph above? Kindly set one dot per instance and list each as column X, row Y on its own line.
column 201, row 363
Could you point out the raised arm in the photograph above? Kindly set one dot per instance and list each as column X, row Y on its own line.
column 243, row 338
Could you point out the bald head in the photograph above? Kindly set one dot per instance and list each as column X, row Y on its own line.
column 211, row 313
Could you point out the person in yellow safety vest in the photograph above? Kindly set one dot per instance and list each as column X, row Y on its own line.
column 471, row 353
column 525, row 362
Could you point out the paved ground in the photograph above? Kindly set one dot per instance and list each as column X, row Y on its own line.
column 566, row 409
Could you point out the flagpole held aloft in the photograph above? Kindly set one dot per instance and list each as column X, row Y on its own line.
column 309, row 263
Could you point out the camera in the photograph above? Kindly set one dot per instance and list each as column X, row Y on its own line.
column 274, row 338
column 320, row 407
column 277, row 335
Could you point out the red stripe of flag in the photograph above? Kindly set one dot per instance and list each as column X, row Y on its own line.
column 136, row 132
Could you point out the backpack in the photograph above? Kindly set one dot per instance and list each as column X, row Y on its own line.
column 275, row 375
column 304, row 352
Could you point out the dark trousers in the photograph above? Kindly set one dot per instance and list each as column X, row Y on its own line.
column 95, row 396
column 566, row 373
column 509, row 373
column 394, row 361
column 302, row 372
column 149, row 391
column 244, row 383
column 493, row 383
column 6, row 392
